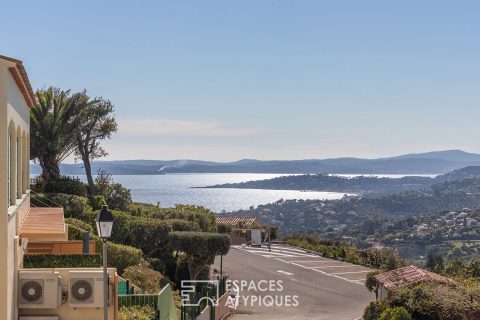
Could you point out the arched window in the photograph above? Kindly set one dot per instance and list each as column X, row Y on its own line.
column 12, row 172
column 19, row 165
column 9, row 179
column 24, row 163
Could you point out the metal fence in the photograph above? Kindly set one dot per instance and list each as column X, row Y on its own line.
column 163, row 302
column 203, row 306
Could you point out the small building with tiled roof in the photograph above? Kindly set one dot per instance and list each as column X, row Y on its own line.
column 240, row 221
column 388, row 281
column 240, row 227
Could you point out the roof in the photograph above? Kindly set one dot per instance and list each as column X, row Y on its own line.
column 407, row 275
column 20, row 76
column 234, row 221
column 44, row 223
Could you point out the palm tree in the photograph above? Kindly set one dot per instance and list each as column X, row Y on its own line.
column 52, row 123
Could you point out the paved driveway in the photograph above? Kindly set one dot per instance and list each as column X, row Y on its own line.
column 325, row 288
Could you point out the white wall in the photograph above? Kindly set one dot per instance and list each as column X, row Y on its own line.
column 13, row 107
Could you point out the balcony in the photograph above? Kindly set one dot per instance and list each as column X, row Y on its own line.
column 44, row 224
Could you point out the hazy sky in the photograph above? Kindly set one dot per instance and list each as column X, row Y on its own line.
column 224, row 80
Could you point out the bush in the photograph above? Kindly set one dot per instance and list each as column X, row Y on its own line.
column 395, row 313
column 79, row 224
column 97, row 202
column 62, row 184
column 437, row 300
column 116, row 195
column 136, row 313
column 73, row 206
column 62, row 261
column 224, row 228
column 120, row 256
column 74, row 232
column 149, row 235
column 144, row 277
column 200, row 248
column 374, row 310
column 183, row 225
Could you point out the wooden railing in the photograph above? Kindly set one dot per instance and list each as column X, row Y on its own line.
column 63, row 247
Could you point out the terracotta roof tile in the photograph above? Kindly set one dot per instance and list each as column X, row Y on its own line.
column 234, row 221
column 407, row 275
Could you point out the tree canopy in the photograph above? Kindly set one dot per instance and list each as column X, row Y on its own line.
column 200, row 248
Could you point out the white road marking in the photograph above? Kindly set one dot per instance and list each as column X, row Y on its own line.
column 285, row 272
column 351, row 272
column 309, row 261
column 334, row 266
column 283, row 255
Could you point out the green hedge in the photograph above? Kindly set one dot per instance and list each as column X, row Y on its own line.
column 62, row 261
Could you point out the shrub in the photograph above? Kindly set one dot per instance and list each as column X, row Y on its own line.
column 395, row 313
column 224, row 228
column 79, row 224
column 75, row 233
column 116, row 195
column 62, row 184
column 183, row 225
column 149, row 235
column 73, row 206
column 200, row 248
column 97, row 202
column 136, row 313
column 437, row 300
column 144, row 277
column 374, row 310
column 120, row 256
column 62, row 261
column 370, row 282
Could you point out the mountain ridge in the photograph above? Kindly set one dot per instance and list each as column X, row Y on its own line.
column 434, row 162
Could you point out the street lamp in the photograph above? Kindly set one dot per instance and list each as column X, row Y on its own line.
column 104, row 224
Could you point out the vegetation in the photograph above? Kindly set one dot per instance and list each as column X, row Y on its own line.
column 365, row 185
column 395, row 313
column 374, row 258
column 144, row 277
column 52, row 127
column 136, row 313
column 438, row 301
column 364, row 215
column 115, row 195
column 62, row 261
column 65, row 123
column 97, row 124
column 200, row 248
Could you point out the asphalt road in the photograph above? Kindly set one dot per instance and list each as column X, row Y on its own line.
column 325, row 288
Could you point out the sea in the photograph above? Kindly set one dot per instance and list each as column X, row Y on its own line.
column 171, row 189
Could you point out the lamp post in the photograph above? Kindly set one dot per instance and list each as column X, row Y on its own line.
column 104, row 224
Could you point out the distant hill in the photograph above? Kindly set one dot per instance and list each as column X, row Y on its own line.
column 364, row 185
column 436, row 162
column 321, row 216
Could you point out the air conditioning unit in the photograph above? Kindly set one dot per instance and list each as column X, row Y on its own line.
column 39, row 318
column 39, row 289
column 86, row 289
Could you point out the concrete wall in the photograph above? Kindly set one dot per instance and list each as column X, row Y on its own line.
column 14, row 116
column 67, row 313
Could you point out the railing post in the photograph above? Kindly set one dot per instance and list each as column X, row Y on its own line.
column 86, row 242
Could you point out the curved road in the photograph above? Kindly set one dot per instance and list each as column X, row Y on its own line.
column 326, row 289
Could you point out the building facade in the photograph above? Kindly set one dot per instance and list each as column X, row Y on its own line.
column 16, row 97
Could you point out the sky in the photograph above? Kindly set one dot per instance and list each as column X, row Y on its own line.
column 227, row 80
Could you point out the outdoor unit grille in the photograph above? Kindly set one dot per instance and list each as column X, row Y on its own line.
column 38, row 289
column 86, row 289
